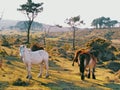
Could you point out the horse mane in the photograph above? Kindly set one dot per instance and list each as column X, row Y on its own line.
column 36, row 47
column 82, row 52
column 85, row 53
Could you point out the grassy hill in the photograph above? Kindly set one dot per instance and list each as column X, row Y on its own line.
column 63, row 76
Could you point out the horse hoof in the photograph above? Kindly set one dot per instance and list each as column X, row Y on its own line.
column 29, row 77
column 82, row 77
column 88, row 76
column 39, row 76
column 46, row 76
column 94, row 78
column 72, row 64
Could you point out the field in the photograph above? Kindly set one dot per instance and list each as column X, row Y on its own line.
column 63, row 76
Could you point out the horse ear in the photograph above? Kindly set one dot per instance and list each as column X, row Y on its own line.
column 24, row 46
column 21, row 46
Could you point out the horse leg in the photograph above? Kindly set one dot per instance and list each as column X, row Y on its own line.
column 29, row 76
column 82, row 72
column 47, row 68
column 93, row 75
column 88, row 73
column 73, row 63
column 82, row 65
column 27, row 70
column 77, row 62
column 82, row 68
column 41, row 70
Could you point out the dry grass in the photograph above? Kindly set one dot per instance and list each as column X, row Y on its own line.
column 116, row 41
column 62, row 75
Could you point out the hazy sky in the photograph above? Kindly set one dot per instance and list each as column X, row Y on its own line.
column 56, row 11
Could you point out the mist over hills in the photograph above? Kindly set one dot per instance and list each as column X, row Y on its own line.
column 5, row 24
column 21, row 25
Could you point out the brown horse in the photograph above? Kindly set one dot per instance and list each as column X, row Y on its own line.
column 36, row 47
column 85, row 59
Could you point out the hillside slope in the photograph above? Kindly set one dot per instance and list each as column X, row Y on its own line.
column 63, row 76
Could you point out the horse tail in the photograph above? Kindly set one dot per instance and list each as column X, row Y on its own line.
column 76, row 57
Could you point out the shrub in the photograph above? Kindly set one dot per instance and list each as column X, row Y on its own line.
column 103, row 48
column 115, row 66
column 19, row 82
column 108, row 35
column 66, row 46
column 17, row 41
column 5, row 42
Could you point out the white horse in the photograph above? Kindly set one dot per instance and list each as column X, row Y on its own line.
column 37, row 57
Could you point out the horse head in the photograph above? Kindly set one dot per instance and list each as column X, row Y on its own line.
column 75, row 59
column 22, row 49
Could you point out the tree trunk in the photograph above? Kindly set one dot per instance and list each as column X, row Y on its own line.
column 28, row 32
column 73, row 38
column 96, row 26
column 45, row 38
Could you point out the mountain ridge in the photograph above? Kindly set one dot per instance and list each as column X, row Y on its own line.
column 10, row 24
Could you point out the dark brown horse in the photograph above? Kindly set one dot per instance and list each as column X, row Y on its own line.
column 85, row 59
column 36, row 47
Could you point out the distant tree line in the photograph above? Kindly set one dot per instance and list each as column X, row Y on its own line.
column 104, row 22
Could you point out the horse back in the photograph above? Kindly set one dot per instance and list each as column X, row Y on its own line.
column 36, row 57
column 36, row 47
column 84, row 58
column 39, row 53
column 91, row 61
